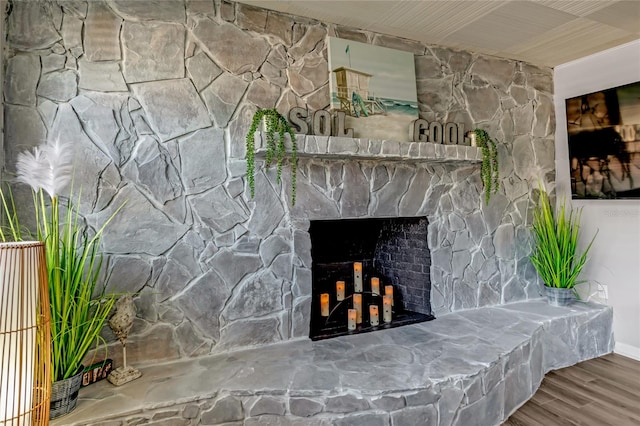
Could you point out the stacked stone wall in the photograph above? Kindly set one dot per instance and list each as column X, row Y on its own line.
column 157, row 98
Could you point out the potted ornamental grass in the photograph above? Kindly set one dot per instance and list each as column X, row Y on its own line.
column 556, row 255
column 79, row 305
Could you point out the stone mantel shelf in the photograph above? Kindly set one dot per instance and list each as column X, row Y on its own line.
column 342, row 148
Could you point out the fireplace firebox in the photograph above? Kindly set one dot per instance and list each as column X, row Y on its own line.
column 360, row 267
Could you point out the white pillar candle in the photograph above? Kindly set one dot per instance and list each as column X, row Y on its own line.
column 357, row 277
column 324, row 304
column 357, row 305
column 386, row 308
column 351, row 319
column 373, row 315
column 472, row 138
column 375, row 285
column 340, row 291
column 388, row 291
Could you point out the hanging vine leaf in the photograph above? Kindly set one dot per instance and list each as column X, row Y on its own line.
column 489, row 171
column 275, row 124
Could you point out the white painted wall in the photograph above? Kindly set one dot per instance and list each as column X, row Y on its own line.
column 615, row 256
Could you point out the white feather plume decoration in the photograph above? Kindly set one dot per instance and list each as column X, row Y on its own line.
column 49, row 167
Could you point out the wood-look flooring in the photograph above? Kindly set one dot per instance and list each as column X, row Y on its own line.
column 600, row 392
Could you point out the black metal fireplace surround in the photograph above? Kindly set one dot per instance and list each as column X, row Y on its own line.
column 393, row 249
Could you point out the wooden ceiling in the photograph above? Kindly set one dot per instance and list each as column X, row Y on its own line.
column 543, row 32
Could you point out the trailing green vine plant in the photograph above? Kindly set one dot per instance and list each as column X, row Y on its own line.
column 276, row 125
column 489, row 172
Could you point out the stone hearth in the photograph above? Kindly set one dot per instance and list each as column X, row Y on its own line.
column 467, row 368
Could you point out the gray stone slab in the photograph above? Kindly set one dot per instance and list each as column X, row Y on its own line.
column 96, row 170
column 422, row 397
column 273, row 246
column 153, row 50
column 190, row 341
column 314, row 380
column 102, row 76
column 202, row 70
column 263, row 94
column 127, row 274
column 48, row 111
column 53, row 62
column 256, row 297
column 233, row 266
column 451, row 397
column 176, row 273
column 487, row 411
column 354, row 201
column 540, row 311
column 98, row 113
column 268, row 210
column 307, row 75
column 389, row 403
column 517, row 387
column 494, row 71
column 150, row 10
column 159, row 100
column 388, row 197
column 345, row 404
column 21, row 79
column 311, row 202
column 268, row 405
column 415, row 198
column 72, row 34
column 412, row 416
column 249, row 332
column 227, row 409
column 312, row 36
column 246, row 53
column 365, row 419
column 216, row 209
column 153, row 170
column 29, row 27
column 199, row 306
column 58, row 86
column 153, row 233
column 202, row 160
column 305, row 407
column 102, row 33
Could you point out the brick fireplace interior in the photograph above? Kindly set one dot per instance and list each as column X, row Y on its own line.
column 392, row 249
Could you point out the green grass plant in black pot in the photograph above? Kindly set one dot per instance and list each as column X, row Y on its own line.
column 79, row 305
column 555, row 255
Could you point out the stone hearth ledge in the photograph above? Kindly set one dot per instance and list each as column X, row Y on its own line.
column 341, row 148
column 466, row 368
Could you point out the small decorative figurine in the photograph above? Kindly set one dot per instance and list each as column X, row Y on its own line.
column 121, row 322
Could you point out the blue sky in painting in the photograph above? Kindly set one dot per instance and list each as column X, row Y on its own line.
column 393, row 70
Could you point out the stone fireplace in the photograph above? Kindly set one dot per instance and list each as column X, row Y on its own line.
column 158, row 111
column 351, row 180
column 392, row 251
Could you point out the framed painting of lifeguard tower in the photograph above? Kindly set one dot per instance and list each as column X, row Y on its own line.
column 375, row 87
